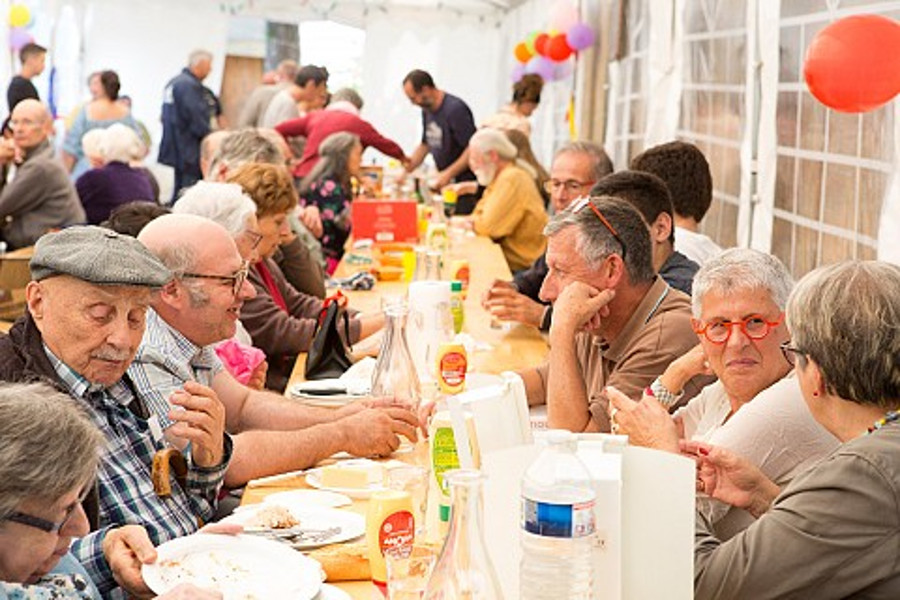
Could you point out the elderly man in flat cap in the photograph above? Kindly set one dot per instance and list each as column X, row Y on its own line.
column 87, row 303
column 200, row 307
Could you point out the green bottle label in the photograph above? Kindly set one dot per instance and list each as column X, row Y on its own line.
column 443, row 455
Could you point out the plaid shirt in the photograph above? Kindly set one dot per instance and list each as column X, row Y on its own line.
column 124, row 480
column 164, row 361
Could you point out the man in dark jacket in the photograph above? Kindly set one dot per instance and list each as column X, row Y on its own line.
column 185, row 121
column 87, row 300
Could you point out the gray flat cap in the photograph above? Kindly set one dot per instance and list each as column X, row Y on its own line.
column 97, row 255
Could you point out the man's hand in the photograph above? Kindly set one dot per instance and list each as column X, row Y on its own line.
column 441, row 180
column 646, row 423
column 580, row 307
column 725, row 476
column 509, row 305
column 497, row 286
column 375, row 431
column 312, row 220
column 126, row 549
column 257, row 379
column 202, row 422
column 7, row 151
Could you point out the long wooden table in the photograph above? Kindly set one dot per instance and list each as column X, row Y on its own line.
column 515, row 348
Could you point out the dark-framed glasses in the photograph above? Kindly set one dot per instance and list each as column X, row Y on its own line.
column 254, row 237
column 237, row 279
column 755, row 327
column 44, row 524
column 571, row 186
column 584, row 201
column 791, row 353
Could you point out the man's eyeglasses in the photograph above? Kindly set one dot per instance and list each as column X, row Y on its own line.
column 755, row 327
column 570, row 185
column 579, row 205
column 791, row 353
column 237, row 280
column 44, row 524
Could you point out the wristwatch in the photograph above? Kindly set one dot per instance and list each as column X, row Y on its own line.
column 662, row 393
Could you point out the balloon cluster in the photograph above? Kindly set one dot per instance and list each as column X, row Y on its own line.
column 852, row 64
column 20, row 21
column 548, row 53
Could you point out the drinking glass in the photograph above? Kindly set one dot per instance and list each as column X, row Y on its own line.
column 407, row 576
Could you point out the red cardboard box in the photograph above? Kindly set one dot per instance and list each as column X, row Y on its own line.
column 384, row 220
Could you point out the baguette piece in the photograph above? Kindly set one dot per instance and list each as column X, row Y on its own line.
column 343, row 562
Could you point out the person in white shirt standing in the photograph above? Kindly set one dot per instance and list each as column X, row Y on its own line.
column 685, row 171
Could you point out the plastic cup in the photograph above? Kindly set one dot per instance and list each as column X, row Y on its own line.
column 407, row 576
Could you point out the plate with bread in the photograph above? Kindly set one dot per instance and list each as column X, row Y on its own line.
column 302, row 527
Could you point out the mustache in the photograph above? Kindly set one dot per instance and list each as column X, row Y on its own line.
column 112, row 354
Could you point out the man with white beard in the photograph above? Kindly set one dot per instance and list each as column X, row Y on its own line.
column 511, row 211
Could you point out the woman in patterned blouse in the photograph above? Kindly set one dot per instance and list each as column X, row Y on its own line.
column 326, row 194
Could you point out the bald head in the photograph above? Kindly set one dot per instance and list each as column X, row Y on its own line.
column 188, row 242
column 30, row 122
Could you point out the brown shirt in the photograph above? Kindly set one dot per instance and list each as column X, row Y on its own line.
column 658, row 332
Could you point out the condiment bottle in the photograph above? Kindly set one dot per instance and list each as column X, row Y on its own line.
column 390, row 529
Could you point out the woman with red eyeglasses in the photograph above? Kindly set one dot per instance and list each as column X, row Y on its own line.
column 754, row 408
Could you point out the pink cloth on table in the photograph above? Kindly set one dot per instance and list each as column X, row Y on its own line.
column 239, row 360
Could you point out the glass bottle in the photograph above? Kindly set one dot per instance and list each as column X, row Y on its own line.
column 464, row 569
column 395, row 376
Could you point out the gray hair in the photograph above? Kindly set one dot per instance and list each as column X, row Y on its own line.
column 334, row 152
column 488, row 139
column 739, row 269
column 121, row 143
column 198, row 56
column 287, row 69
column 224, row 203
column 348, row 95
column 92, row 143
column 846, row 317
column 50, row 447
column 601, row 164
column 246, row 146
column 595, row 241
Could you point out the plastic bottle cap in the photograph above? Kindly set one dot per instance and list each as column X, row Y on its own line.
column 456, row 286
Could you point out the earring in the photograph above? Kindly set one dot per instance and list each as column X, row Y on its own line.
column 815, row 393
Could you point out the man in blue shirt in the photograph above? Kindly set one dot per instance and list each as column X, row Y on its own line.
column 447, row 125
column 185, row 121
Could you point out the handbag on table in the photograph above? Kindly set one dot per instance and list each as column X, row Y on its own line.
column 329, row 354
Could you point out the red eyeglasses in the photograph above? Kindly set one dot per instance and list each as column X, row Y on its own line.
column 755, row 327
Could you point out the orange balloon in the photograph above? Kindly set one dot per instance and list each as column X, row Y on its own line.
column 853, row 64
column 558, row 48
column 522, row 53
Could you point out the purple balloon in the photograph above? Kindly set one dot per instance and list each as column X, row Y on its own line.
column 540, row 65
column 518, row 71
column 18, row 37
column 580, row 36
column 563, row 70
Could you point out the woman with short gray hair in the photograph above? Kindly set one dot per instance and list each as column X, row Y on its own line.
column 49, row 454
column 756, row 408
column 834, row 532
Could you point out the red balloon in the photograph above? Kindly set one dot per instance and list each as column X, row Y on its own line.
column 853, row 65
column 558, row 48
column 540, row 44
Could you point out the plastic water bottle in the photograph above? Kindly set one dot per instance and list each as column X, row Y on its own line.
column 557, row 524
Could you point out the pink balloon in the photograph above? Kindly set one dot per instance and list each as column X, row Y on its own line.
column 580, row 36
column 563, row 15
column 518, row 71
column 539, row 65
column 18, row 37
column 563, row 70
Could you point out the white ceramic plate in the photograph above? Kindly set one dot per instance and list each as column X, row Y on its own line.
column 241, row 567
column 308, row 498
column 329, row 592
column 314, row 478
column 347, row 525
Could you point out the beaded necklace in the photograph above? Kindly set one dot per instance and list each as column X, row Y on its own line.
column 889, row 417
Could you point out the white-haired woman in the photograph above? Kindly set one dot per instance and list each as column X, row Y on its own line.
column 48, row 461
column 834, row 531
column 103, row 189
column 511, row 211
column 755, row 408
column 326, row 194
column 101, row 112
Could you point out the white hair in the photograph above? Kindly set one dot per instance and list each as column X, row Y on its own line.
column 489, row 139
column 198, row 56
column 224, row 203
column 92, row 142
column 121, row 143
column 739, row 269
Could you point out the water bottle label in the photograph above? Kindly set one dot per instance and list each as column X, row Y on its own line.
column 558, row 520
